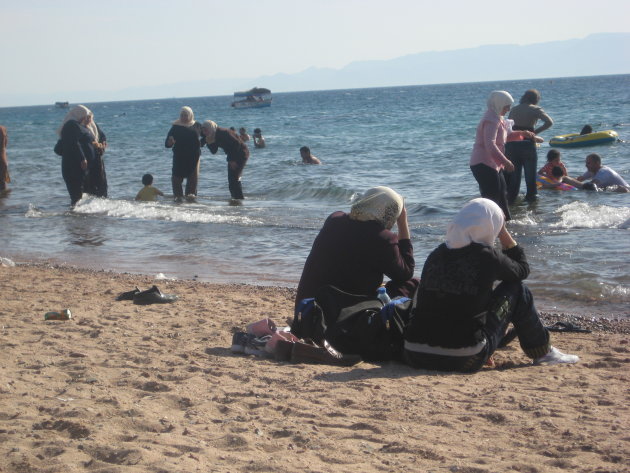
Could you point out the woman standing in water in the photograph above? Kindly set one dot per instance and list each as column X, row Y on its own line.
column 523, row 153
column 82, row 144
column 4, row 163
column 488, row 160
column 183, row 137
column 237, row 153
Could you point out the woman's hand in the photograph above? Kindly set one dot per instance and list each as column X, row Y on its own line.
column 403, row 225
column 84, row 164
column 506, row 239
column 170, row 141
column 508, row 167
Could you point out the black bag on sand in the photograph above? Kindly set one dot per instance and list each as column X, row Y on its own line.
column 308, row 321
column 355, row 324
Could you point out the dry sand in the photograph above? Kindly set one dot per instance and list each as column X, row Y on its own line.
column 126, row 388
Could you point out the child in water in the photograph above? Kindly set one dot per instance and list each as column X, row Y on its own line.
column 148, row 193
column 553, row 160
column 555, row 178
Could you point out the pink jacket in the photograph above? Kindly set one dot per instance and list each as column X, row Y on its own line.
column 490, row 142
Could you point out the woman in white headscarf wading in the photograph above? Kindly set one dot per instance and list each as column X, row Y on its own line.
column 81, row 146
column 488, row 159
column 183, row 137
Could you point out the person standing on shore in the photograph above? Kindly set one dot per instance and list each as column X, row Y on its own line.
column 80, row 138
column 488, row 160
column 523, row 153
column 4, row 162
column 183, row 137
column 460, row 320
column 237, row 153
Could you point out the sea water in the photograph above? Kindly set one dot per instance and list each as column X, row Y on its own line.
column 416, row 140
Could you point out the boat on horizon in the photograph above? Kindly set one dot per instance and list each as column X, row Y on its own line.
column 62, row 104
column 256, row 97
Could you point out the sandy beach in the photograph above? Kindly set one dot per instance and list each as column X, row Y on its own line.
column 128, row 388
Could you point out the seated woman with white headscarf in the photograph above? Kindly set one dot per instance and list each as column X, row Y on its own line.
column 353, row 251
column 459, row 319
column 81, row 146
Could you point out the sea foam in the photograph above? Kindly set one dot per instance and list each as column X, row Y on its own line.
column 185, row 212
column 583, row 215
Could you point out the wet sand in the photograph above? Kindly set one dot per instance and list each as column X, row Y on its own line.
column 128, row 388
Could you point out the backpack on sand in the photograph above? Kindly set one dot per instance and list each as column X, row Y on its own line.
column 354, row 324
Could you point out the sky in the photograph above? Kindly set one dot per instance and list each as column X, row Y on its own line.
column 63, row 46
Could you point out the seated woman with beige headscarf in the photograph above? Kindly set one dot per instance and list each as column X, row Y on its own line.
column 354, row 251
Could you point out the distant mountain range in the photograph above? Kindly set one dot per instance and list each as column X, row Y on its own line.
column 597, row 54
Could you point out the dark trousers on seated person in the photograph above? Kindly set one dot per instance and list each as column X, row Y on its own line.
column 525, row 158
column 492, row 186
column 511, row 302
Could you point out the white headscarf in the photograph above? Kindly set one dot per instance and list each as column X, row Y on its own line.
column 479, row 221
column 186, row 117
column 499, row 99
column 79, row 113
column 211, row 128
column 378, row 203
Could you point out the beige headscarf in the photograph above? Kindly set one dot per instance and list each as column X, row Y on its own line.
column 186, row 117
column 499, row 99
column 479, row 221
column 79, row 113
column 378, row 203
column 210, row 128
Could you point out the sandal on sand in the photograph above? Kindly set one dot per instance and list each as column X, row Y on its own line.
column 566, row 327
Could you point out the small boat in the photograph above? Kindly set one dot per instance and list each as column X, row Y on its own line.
column 62, row 104
column 257, row 97
column 575, row 140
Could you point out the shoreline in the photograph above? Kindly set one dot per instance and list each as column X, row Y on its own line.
column 129, row 388
column 587, row 319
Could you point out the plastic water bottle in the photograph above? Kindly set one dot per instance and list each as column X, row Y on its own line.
column 382, row 296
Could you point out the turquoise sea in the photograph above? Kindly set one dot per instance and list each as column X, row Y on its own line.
column 414, row 139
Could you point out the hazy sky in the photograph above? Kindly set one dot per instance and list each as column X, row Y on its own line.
column 66, row 45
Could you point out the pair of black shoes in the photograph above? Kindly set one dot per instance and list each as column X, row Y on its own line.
column 150, row 296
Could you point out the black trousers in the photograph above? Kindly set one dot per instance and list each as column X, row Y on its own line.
column 524, row 156
column 492, row 186
column 511, row 302
column 234, row 179
column 75, row 180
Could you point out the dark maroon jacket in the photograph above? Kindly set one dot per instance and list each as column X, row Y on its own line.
column 353, row 256
column 233, row 146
